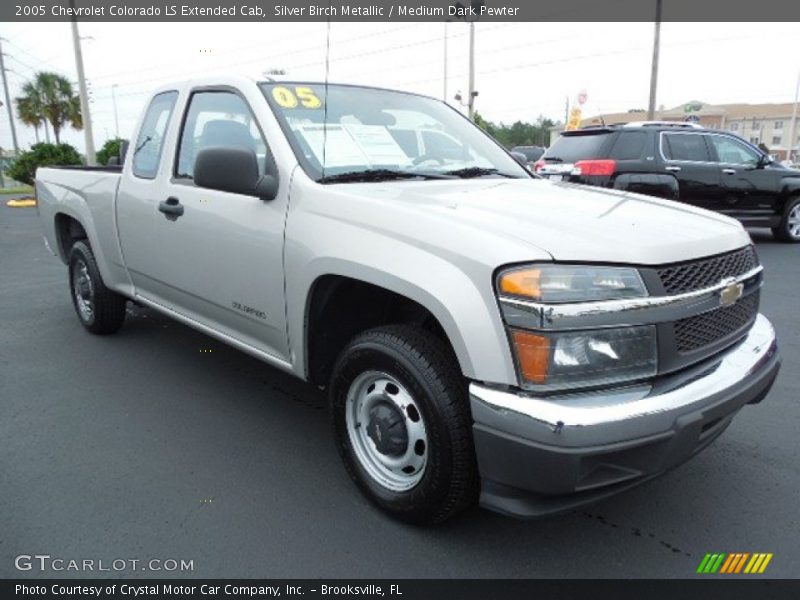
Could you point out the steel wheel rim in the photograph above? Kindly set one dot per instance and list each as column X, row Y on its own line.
column 372, row 392
column 793, row 222
column 83, row 290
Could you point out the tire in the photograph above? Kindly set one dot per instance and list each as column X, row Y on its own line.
column 397, row 396
column 99, row 310
column 789, row 228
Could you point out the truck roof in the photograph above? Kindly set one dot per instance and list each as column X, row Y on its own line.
column 239, row 81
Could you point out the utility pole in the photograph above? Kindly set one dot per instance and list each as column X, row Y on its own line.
column 464, row 12
column 116, row 116
column 91, row 159
column 8, row 102
column 651, row 109
column 472, row 93
column 793, row 124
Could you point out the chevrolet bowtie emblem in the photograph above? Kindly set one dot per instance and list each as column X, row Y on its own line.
column 730, row 294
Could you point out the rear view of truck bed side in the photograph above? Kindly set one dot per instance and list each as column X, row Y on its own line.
column 80, row 203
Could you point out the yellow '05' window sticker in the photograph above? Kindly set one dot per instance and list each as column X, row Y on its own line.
column 302, row 95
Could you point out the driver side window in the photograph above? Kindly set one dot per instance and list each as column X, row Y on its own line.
column 731, row 152
column 218, row 119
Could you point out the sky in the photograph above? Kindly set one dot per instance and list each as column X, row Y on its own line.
column 523, row 70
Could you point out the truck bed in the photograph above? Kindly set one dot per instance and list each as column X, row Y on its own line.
column 87, row 195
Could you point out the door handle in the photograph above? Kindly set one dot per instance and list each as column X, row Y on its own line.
column 672, row 168
column 729, row 171
column 172, row 208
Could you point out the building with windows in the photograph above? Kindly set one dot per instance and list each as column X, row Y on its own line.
column 766, row 124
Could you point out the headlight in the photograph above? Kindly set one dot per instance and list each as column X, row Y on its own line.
column 574, row 359
column 557, row 283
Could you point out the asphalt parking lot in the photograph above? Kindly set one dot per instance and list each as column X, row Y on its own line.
column 160, row 442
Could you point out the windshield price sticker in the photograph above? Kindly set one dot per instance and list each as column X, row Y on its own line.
column 351, row 145
column 302, row 95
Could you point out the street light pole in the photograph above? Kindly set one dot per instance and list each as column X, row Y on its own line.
column 8, row 103
column 116, row 116
column 471, row 91
column 91, row 159
column 651, row 109
column 793, row 124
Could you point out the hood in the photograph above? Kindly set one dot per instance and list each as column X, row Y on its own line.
column 570, row 222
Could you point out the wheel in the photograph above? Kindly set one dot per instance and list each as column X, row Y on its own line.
column 789, row 228
column 402, row 424
column 100, row 310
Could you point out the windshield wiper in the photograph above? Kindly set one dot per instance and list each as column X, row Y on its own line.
column 377, row 175
column 553, row 159
column 469, row 172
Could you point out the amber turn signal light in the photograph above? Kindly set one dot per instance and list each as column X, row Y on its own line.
column 524, row 282
column 533, row 355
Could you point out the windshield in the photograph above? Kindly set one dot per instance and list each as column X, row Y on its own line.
column 386, row 134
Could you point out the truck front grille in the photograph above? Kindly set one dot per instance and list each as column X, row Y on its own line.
column 704, row 273
column 701, row 330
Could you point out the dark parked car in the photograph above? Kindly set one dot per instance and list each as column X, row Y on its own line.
column 532, row 154
column 708, row 168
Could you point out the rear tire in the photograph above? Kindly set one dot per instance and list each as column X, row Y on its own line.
column 99, row 310
column 402, row 423
column 789, row 228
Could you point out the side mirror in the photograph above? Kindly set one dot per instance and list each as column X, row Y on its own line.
column 763, row 161
column 520, row 158
column 234, row 170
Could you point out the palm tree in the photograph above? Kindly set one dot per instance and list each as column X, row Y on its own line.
column 29, row 108
column 60, row 104
column 49, row 98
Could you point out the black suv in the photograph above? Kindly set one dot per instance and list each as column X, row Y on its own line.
column 708, row 168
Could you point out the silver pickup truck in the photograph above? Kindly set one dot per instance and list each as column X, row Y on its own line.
column 483, row 334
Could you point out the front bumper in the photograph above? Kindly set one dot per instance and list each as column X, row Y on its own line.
column 542, row 455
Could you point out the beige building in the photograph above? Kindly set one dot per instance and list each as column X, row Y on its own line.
column 758, row 123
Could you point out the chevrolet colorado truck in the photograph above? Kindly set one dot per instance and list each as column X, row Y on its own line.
column 483, row 334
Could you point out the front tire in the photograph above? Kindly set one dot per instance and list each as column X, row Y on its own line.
column 402, row 424
column 789, row 228
column 99, row 310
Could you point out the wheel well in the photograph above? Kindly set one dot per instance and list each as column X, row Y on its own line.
column 339, row 308
column 68, row 231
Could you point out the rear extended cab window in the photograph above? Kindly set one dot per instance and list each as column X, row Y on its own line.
column 585, row 145
column 147, row 151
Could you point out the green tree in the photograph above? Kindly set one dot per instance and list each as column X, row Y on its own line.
column 50, row 97
column 42, row 155
column 29, row 108
column 110, row 148
column 520, row 133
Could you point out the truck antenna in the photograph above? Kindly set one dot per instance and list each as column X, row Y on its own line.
column 325, row 113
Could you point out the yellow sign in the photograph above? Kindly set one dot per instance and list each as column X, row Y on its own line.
column 302, row 94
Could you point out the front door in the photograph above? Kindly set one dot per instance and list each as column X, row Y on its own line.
column 750, row 188
column 687, row 157
column 221, row 260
